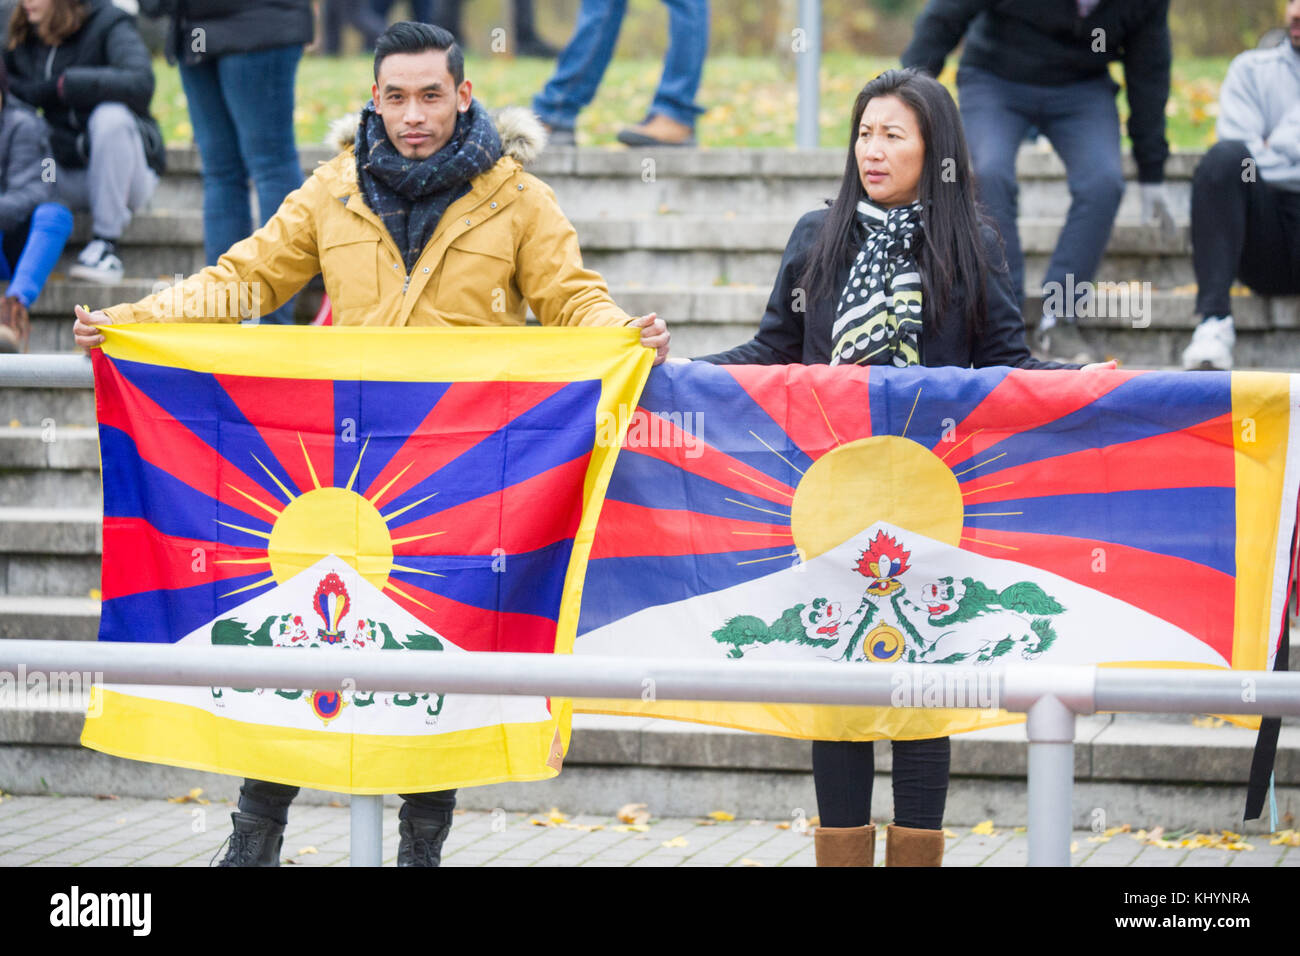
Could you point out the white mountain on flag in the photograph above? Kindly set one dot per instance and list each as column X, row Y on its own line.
column 330, row 606
column 890, row 595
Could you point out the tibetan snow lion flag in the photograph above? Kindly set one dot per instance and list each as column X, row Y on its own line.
column 945, row 516
column 351, row 490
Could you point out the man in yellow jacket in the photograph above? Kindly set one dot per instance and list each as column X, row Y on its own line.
column 426, row 217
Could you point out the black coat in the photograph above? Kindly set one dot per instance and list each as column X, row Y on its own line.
column 789, row 337
column 105, row 61
column 201, row 29
column 1046, row 42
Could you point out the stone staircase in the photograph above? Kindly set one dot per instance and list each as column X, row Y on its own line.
column 697, row 237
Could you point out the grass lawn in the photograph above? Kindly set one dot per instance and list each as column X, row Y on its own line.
column 751, row 101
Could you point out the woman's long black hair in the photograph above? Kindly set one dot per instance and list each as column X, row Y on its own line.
column 952, row 260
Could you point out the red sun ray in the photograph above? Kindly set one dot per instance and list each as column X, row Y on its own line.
column 171, row 446
column 145, row 559
column 1129, row 466
column 521, row 518
column 1034, row 398
column 1197, row 598
column 622, row 532
column 467, row 413
column 275, row 407
column 833, row 412
column 678, row 447
column 473, row 628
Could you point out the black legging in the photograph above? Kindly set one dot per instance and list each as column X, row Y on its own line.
column 272, row 800
column 843, row 773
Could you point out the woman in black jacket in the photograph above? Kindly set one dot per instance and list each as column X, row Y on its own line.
column 900, row 270
column 238, row 62
column 84, row 65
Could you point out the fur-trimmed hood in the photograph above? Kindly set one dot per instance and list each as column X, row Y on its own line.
column 523, row 136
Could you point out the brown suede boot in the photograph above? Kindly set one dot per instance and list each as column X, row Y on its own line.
column 905, row 846
column 657, row 130
column 845, row 846
column 15, row 325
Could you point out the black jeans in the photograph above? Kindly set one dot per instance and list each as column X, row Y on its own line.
column 272, row 800
column 844, row 771
column 1242, row 228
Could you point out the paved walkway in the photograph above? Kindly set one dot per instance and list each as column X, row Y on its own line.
column 78, row 831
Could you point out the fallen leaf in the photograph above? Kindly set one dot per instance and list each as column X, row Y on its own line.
column 334, row 803
column 983, row 829
column 307, row 851
column 96, row 595
column 948, row 834
column 815, row 821
column 191, row 797
column 15, row 423
column 98, row 796
column 556, row 816
column 1020, row 830
column 1208, row 722
column 631, row 828
column 1285, row 838
column 722, row 816
column 1074, row 846
column 635, row 813
column 676, row 842
column 783, row 826
column 748, row 862
column 540, row 823
column 584, row 827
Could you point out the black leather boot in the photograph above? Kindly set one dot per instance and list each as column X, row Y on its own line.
column 255, row 841
column 420, row 840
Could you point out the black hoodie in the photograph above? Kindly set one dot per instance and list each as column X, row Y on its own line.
column 1047, row 43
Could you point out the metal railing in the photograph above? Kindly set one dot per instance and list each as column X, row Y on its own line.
column 1050, row 696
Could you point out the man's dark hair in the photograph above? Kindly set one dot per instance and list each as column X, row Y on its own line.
column 409, row 36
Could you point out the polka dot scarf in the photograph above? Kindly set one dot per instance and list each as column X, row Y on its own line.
column 878, row 320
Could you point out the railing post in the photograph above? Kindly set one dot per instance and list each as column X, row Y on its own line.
column 367, row 835
column 1051, row 781
column 808, row 66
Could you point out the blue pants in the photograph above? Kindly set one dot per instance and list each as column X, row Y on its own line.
column 35, row 248
column 241, row 108
column 1082, row 124
column 582, row 63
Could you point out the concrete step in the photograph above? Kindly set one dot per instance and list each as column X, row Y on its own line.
column 45, row 618
column 1140, row 771
column 50, row 551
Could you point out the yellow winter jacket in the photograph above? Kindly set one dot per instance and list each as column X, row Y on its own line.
column 504, row 244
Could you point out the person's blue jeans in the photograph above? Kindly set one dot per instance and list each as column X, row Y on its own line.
column 34, row 250
column 241, row 108
column 1082, row 124
column 583, row 62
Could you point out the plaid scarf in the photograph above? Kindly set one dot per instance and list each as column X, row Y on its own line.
column 410, row 195
column 878, row 319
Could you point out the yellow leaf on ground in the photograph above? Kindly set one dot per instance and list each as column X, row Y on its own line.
column 948, row 834
column 1074, row 846
column 1020, row 830
column 748, row 862
column 540, row 823
column 1285, row 838
column 307, row 850
column 1208, row 722
column 191, row 797
column 983, row 829
column 676, row 842
column 722, row 816
column 631, row 828
column 556, row 816
column 634, row 813
column 783, row 826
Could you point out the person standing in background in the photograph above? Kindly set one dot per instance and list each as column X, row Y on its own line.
column 447, row 14
column 1046, row 63
column 671, row 118
column 238, row 62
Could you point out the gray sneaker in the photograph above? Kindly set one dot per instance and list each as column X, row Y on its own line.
column 1063, row 342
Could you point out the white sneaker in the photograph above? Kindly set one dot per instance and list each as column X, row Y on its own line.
column 97, row 264
column 1211, row 346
